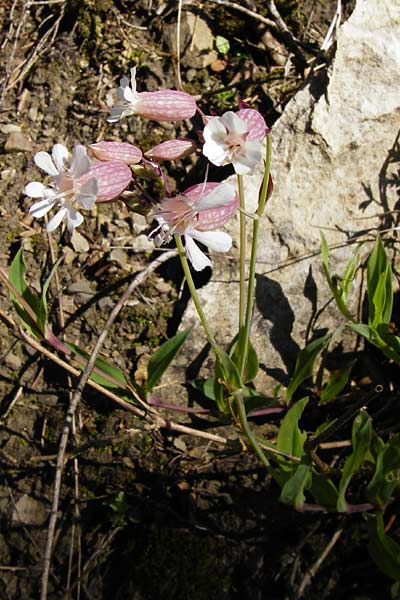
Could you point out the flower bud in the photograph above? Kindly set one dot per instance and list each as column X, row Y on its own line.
column 171, row 150
column 165, row 105
column 257, row 127
column 116, row 152
column 112, row 178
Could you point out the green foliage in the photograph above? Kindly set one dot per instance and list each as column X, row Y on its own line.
column 361, row 439
column 382, row 548
column 290, row 438
column 305, row 363
column 103, row 373
column 31, row 308
column 222, row 44
column 380, row 292
column 162, row 358
column 339, row 286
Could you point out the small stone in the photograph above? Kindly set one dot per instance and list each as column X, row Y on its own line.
column 79, row 243
column 121, row 257
column 18, row 142
column 13, row 362
column 81, row 291
column 9, row 128
column 28, row 511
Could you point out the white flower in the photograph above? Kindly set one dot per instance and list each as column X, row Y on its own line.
column 195, row 214
column 226, row 141
column 65, row 189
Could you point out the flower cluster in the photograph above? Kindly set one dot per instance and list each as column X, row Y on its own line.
column 106, row 169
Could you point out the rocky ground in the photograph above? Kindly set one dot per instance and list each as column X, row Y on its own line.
column 145, row 513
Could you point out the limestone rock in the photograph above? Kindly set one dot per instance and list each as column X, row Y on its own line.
column 334, row 156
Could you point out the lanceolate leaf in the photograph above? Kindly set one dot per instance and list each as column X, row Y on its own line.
column 385, row 479
column 293, row 490
column 26, row 302
column 290, row 438
column 162, row 358
column 335, row 385
column 103, row 373
column 380, row 292
column 361, row 439
column 382, row 548
column 304, row 364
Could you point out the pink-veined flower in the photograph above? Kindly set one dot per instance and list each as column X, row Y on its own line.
column 112, row 177
column 66, row 190
column 123, row 152
column 171, row 150
column 162, row 105
column 235, row 138
column 196, row 214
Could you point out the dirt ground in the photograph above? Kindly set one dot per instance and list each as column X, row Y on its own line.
column 145, row 513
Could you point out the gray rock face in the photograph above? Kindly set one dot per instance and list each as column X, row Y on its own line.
column 334, row 155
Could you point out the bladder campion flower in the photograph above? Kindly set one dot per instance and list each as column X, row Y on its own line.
column 162, row 105
column 66, row 189
column 113, row 178
column 235, row 138
column 196, row 214
column 172, row 150
column 123, row 152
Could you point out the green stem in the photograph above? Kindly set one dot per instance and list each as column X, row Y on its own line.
column 242, row 252
column 252, row 268
column 193, row 293
column 241, row 412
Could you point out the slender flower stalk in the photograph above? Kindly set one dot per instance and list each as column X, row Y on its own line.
column 242, row 252
column 193, row 293
column 252, row 268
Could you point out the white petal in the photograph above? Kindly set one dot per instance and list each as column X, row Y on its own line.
column 129, row 95
column 198, row 259
column 56, row 220
column 117, row 112
column 248, row 158
column 39, row 209
column 215, row 240
column 80, row 163
column 74, row 217
column 215, row 152
column 86, row 195
column 219, row 196
column 133, row 79
column 35, row 189
column 215, row 130
column 43, row 161
column 60, row 154
column 234, row 123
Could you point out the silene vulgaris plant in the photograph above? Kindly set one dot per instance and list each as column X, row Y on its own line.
column 194, row 219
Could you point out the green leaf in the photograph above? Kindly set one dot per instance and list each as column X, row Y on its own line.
column 339, row 287
column 323, row 490
column 103, row 373
column 348, row 275
column 335, row 384
column 222, row 44
column 290, row 438
column 379, row 285
column 29, row 308
column 304, row 364
column 293, row 490
column 43, row 311
column 361, row 439
column 383, row 550
column 251, row 364
column 385, row 479
column 162, row 358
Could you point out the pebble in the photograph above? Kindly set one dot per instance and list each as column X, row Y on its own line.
column 18, row 142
